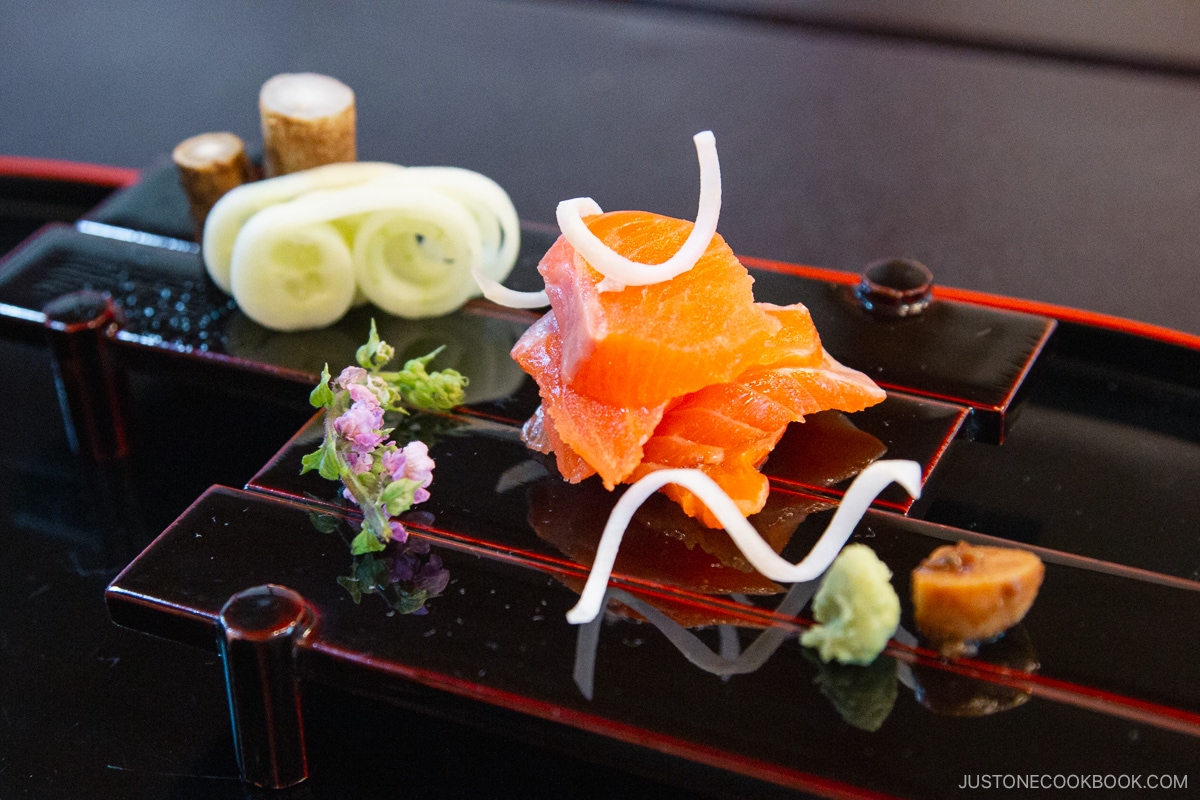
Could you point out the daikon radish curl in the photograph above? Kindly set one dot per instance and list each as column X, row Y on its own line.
column 491, row 206
column 619, row 271
column 869, row 483
column 501, row 295
column 416, row 260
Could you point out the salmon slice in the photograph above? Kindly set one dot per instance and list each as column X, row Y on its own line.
column 687, row 373
column 539, row 434
column 807, row 390
column 796, row 343
column 729, row 429
column 745, row 485
column 674, row 449
column 607, row 437
column 645, row 345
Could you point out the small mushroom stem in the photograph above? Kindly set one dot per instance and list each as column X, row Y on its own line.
column 307, row 120
column 209, row 166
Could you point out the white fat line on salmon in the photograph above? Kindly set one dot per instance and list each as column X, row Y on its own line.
column 619, row 271
column 866, row 487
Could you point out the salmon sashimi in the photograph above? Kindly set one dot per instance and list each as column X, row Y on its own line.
column 727, row 430
column 645, row 345
column 745, row 485
column 608, row 437
column 539, row 434
column 796, row 343
column 686, row 373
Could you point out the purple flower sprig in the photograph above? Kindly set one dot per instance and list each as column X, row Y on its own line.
column 380, row 477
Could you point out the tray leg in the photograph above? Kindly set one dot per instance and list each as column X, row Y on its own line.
column 259, row 630
column 91, row 386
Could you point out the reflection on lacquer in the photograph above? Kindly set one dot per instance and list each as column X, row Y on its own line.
column 664, row 547
column 404, row 575
column 862, row 695
column 958, row 695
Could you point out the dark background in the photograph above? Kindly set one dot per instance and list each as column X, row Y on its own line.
column 1039, row 150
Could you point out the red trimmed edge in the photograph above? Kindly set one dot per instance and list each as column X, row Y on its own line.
column 665, row 743
column 70, row 171
column 1064, row 313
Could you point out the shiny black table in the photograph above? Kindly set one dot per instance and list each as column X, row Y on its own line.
column 1030, row 171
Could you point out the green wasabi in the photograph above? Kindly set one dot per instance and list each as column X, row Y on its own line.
column 857, row 607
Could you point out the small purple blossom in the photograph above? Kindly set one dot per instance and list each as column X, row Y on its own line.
column 350, row 376
column 413, row 463
column 359, row 462
column 363, row 387
column 393, row 463
column 399, row 533
column 361, row 394
column 360, row 426
column 418, row 467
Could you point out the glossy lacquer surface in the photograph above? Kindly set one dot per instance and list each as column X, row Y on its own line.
column 695, row 672
column 498, row 507
column 168, row 303
column 956, row 352
column 737, row 692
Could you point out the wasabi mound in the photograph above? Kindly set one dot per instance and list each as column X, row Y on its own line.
column 857, row 607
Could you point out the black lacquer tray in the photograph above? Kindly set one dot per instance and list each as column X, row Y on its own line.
column 1075, row 436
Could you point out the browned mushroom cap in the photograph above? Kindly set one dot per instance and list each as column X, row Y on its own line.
column 964, row 594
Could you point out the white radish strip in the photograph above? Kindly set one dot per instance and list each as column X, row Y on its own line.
column 620, row 271
column 869, row 483
column 501, row 295
column 415, row 259
column 236, row 207
column 295, row 277
column 492, row 208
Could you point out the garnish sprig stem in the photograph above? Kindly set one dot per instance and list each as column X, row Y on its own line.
column 380, row 477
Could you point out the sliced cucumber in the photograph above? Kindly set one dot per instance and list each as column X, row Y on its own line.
column 291, row 277
column 235, row 208
column 415, row 259
column 489, row 204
